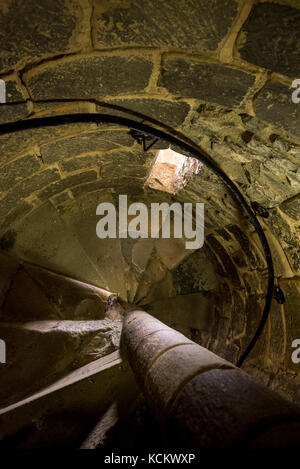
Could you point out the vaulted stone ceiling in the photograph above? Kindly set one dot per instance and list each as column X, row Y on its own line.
column 216, row 72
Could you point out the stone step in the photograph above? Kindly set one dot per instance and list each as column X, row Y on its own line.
column 108, row 255
column 53, row 246
column 135, row 428
column 39, row 352
column 29, row 292
column 65, row 412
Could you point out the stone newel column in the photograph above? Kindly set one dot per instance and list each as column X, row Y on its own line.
column 201, row 400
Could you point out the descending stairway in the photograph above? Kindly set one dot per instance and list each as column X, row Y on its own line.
column 63, row 293
column 63, row 365
column 63, row 369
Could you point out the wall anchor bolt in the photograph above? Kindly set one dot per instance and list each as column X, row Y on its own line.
column 259, row 210
column 141, row 138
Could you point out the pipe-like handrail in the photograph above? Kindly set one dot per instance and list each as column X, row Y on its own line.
column 199, row 399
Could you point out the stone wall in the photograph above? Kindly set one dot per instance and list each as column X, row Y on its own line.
column 218, row 72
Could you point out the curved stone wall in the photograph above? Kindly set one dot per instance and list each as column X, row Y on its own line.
column 218, row 73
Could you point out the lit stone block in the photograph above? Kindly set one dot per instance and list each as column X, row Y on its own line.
column 171, row 171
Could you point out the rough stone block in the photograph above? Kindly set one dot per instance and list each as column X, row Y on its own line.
column 111, row 171
column 83, row 189
column 10, row 147
column 212, row 83
column 16, row 107
column 119, row 184
column 13, row 112
column 20, row 209
column 36, row 182
column 274, row 104
column 190, row 277
column 270, row 38
column 60, row 199
column 194, row 24
column 80, row 163
column 229, row 266
column 85, row 143
column 244, row 242
column 287, row 235
column 7, row 204
column 292, row 209
column 18, row 170
column 14, row 92
column 66, row 183
column 269, row 189
column 27, row 187
column 90, row 77
column 31, row 30
column 166, row 112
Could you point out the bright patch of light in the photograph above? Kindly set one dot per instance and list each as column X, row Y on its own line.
column 171, row 171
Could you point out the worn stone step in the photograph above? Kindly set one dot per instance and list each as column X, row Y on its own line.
column 65, row 412
column 39, row 352
column 107, row 254
column 29, row 292
column 55, row 247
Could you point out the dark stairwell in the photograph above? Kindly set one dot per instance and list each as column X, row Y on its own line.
column 219, row 76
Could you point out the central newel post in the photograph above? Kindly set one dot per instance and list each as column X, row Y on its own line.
column 199, row 399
